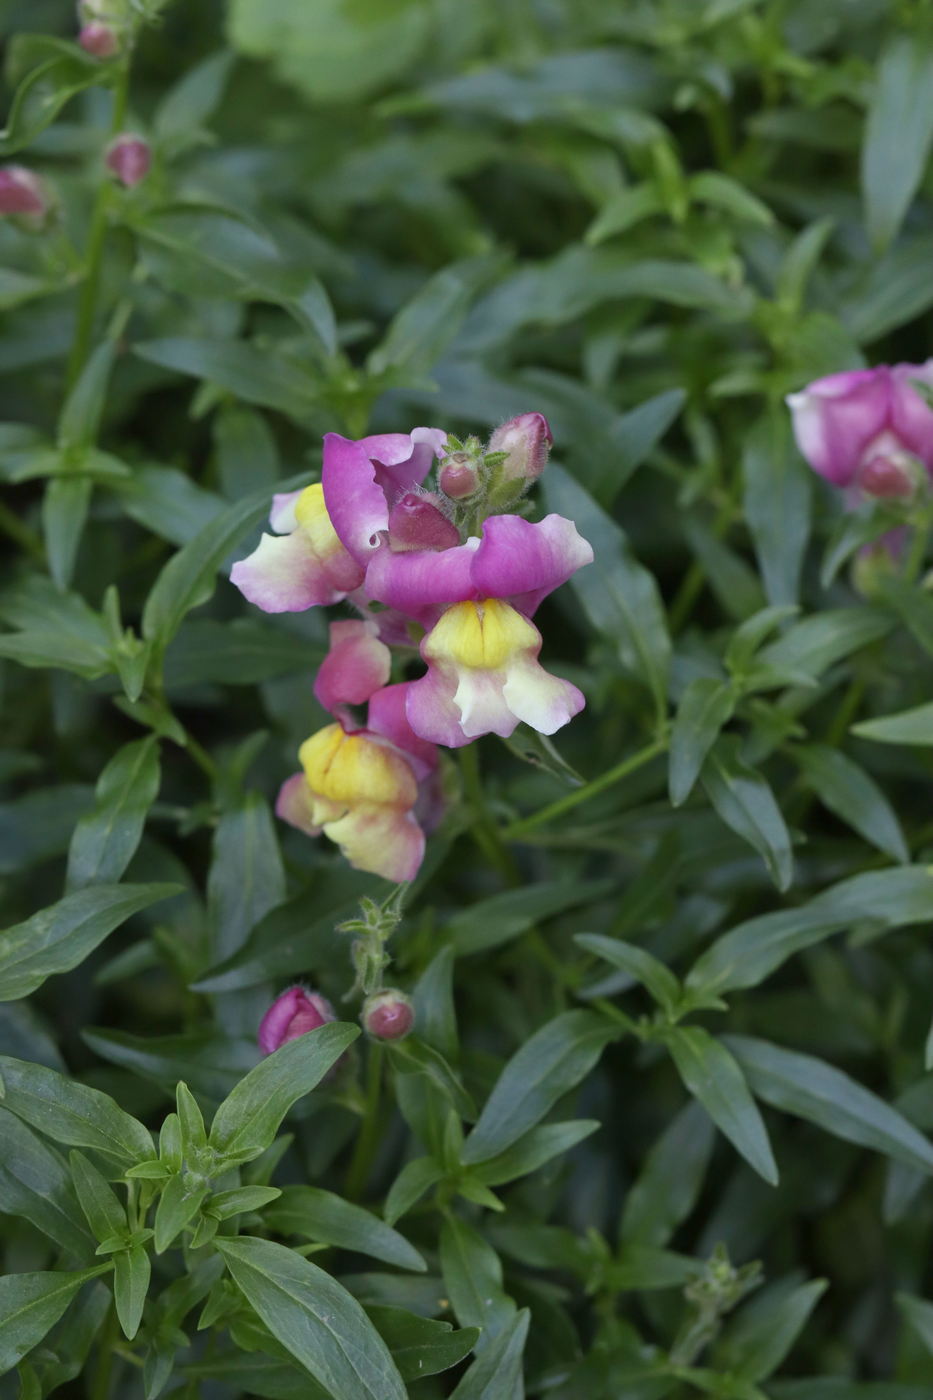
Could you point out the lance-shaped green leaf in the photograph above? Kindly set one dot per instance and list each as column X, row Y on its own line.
column 31, row 1304
column 711, row 1075
column 488, row 923
column 706, row 705
column 914, row 726
column 767, row 1328
column 415, row 1178
column 329, row 1219
column 812, row 1089
column 132, row 1270
column 671, row 1178
column 497, row 1373
column 60, row 937
column 640, row 965
column 546, row 1067
column 854, row 796
column 35, row 1185
column 317, row 1321
column 777, row 506
column 106, row 838
column 532, row 1151
column 102, row 1210
column 747, row 954
column 473, row 1279
column 71, row 1113
column 249, row 1117
column 420, row 1346
column 898, row 133
column 745, row 802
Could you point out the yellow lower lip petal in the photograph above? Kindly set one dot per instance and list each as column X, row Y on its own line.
column 481, row 635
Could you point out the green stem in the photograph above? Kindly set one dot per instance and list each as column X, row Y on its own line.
column 918, row 549
column 485, row 831
column 592, row 789
column 97, row 235
column 99, row 1388
column 11, row 525
column 366, row 1143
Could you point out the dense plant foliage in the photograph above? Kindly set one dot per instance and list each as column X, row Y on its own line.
column 660, row 1126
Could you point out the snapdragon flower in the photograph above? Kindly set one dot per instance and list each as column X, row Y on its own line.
column 303, row 564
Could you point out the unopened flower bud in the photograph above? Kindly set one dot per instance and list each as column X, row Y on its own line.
column 389, row 1015
column 99, row 40
column 889, row 477
column 22, row 192
column 527, row 441
column 458, row 477
column 416, row 523
column 293, row 1013
column 129, row 158
column 881, row 560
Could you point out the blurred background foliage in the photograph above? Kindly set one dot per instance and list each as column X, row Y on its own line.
column 649, row 220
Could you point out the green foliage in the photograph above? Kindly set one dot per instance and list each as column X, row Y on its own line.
column 662, row 1127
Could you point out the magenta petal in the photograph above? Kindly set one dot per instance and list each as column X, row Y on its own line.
column 275, row 1023
column 388, row 716
column 355, row 501
column 356, row 665
column 420, row 584
column 911, row 416
column 836, row 418
column 431, row 711
column 283, row 574
column 524, row 562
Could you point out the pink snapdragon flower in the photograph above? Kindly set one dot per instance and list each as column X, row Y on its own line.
column 371, row 789
column 303, row 564
column 293, row 1013
column 481, row 647
column 869, row 430
column 364, row 480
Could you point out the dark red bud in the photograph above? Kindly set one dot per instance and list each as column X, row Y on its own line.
column 388, row 1015
column 415, row 523
column 885, row 478
column 22, row 192
column 99, row 40
column 458, row 479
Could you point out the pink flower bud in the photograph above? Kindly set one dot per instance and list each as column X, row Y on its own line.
column 458, row 478
column 887, row 478
column 129, row 158
column 416, row 523
column 527, row 440
column 22, row 192
column 99, row 40
column 388, row 1015
column 293, row 1013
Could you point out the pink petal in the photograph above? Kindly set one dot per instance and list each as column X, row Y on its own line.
column 356, row 665
column 524, row 562
column 293, row 804
column 283, row 574
column 911, row 416
column 282, row 516
column 363, row 478
column 388, row 716
column 836, row 418
column 421, row 584
column 431, row 711
column 275, row 1023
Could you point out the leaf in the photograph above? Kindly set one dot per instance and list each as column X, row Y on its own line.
column 60, row 937
column 745, row 802
column 253, row 375
column 328, row 1219
column 919, row 1314
column 856, row 798
column 180, row 1201
column 812, row 1089
column 249, row 1117
column 421, row 331
column 44, row 91
column 413, row 1057
column 643, row 966
column 473, row 1280
column 187, row 580
column 619, row 596
column 671, row 1178
column 547, row 1066
column 71, row 1113
column 132, row 1270
column 777, row 506
column 56, row 629
column 705, row 707
column 64, row 512
column 497, row 1374
column 538, row 1146
column 106, row 838
column 914, row 726
column 419, row 1346
column 488, row 923
column 31, row 1304
column 79, row 423
column 35, row 1185
column 192, row 100
column 712, row 1076
column 748, row 953
column 818, row 643
column 409, row 1186
column 538, row 751
column 102, row 1210
column 898, row 133
column 314, row 1318
column 764, row 1332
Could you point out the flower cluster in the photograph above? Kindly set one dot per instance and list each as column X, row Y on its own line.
column 452, row 569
